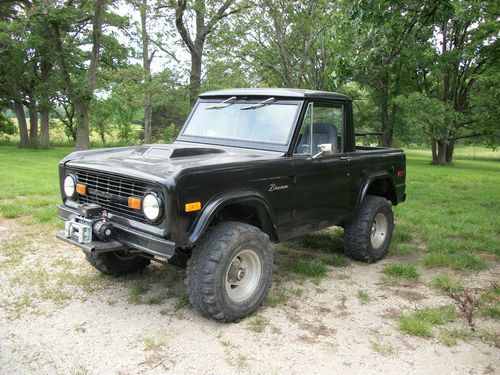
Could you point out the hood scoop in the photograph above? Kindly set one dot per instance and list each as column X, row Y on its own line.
column 194, row 151
column 145, row 152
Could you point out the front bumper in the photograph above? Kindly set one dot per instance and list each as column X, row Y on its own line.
column 124, row 238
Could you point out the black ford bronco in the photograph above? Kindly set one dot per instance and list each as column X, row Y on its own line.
column 249, row 167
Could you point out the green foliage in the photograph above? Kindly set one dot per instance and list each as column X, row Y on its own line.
column 7, row 127
column 425, row 117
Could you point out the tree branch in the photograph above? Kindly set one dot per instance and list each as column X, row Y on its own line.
column 181, row 27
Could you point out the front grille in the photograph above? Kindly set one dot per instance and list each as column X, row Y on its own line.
column 111, row 192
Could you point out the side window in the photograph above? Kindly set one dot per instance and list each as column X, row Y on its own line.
column 322, row 124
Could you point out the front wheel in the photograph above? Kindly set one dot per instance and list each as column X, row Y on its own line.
column 230, row 271
column 368, row 236
column 117, row 262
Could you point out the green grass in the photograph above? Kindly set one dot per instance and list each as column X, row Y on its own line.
column 136, row 294
column 420, row 322
column 401, row 270
column 277, row 297
column 258, row 324
column 363, row 297
column 153, row 343
column 450, row 336
column 29, row 183
column 310, row 268
column 336, row 260
column 447, row 283
column 462, row 153
column 490, row 302
column 453, row 210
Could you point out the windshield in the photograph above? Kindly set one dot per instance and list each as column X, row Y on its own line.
column 242, row 121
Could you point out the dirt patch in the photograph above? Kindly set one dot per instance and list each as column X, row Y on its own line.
column 59, row 315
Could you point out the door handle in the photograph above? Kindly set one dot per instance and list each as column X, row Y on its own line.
column 346, row 158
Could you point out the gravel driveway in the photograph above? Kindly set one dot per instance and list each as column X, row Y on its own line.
column 60, row 316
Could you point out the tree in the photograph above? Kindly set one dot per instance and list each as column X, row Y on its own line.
column 383, row 33
column 6, row 126
column 80, row 93
column 290, row 43
column 101, row 116
column 206, row 17
column 12, row 63
column 465, row 67
column 147, row 58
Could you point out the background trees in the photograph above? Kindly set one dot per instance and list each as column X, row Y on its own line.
column 128, row 71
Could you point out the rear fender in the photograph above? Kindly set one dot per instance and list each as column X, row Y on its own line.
column 369, row 180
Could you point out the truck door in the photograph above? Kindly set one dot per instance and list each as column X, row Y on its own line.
column 322, row 183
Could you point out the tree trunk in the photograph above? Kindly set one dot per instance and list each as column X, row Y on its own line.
column 441, row 152
column 33, row 120
column 148, row 113
column 44, row 105
column 195, row 77
column 449, row 151
column 434, row 151
column 384, row 113
column 83, row 106
column 44, row 128
column 21, row 122
column 146, row 62
column 82, row 126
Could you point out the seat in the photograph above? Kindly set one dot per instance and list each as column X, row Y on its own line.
column 322, row 133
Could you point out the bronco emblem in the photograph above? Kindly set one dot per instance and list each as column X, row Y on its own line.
column 274, row 187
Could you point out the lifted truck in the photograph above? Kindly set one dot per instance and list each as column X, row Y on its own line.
column 249, row 167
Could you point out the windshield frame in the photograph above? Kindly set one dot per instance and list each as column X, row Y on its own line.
column 267, row 146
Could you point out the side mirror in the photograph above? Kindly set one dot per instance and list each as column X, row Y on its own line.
column 325, row 149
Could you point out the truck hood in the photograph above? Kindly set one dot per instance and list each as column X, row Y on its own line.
column 160, row 161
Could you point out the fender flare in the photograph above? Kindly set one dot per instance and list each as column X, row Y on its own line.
column 219, row 202
column 366, row 185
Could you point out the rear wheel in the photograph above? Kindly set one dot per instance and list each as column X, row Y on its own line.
column 117, row 262
column 230, row 271
column 368, row 236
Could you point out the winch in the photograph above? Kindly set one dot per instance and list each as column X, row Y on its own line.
column 92, row 224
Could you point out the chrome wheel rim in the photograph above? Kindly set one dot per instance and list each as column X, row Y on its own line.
column 379, row 230
column 243, row 275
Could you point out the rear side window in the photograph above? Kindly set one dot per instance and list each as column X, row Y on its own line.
column 322, row 124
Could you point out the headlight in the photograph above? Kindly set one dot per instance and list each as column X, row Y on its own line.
column 70, row 186
column 151, row 206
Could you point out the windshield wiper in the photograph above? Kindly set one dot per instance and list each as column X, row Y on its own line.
column 224, row 104
column 260, row 104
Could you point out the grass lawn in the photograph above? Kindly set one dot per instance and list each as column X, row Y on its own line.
column 453, row 211
column 450, row 218
column 29, row 183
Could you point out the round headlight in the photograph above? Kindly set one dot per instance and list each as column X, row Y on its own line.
column 151, row 206
column 69, row 186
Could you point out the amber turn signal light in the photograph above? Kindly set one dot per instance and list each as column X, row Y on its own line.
column 193, row 206
column 134, row 203
column 81, row 189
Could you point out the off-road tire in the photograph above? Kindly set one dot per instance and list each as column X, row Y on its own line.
column 208, row 268
column 357, row 233
column 114, row 263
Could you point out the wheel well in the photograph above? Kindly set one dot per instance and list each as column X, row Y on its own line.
column 383, row 187
column 249, row 213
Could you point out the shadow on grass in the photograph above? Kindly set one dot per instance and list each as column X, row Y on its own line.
column 309, row 256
